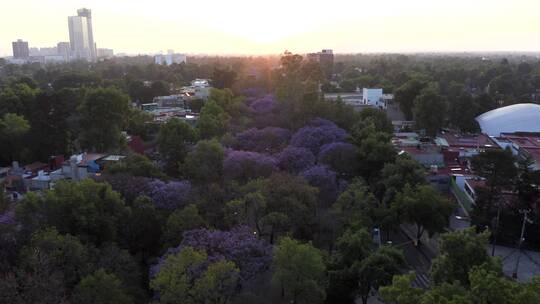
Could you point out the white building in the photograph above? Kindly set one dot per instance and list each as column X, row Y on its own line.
column 170, row 58
column 81, row 37
column 523, row 117
column 105, row 53
column 374, row 98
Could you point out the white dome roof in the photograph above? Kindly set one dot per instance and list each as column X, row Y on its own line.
column 522, row 117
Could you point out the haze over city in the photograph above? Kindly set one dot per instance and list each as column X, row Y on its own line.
column 269, row 27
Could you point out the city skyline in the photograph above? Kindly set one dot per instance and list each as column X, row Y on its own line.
column 242, row 27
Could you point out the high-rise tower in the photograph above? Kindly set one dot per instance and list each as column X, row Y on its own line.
column 81, row 37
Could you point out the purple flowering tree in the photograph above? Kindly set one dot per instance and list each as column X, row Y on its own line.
column 130, row 187
column 166, row 195
column 240, row 245
column 265, row 112
column 246, row 165
column 170, row 196
column 339, row 156
column 295, row 159
column 264, row 105
column 326, row 181
column 7, row 218
column 268, row 140
column 314, row 137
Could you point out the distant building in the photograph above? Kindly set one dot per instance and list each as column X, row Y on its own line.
column 171, row 101
column 326, row 60
column 81, row 36
column 105, row 53
column 20, row 49
column 375, row 98
column 64, row 49
column 522, row 145
column 170, row 58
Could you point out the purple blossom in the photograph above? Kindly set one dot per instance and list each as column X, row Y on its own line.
column 294, row 159
column 8, row 218
column 269, row 139
column 170, row 196
column 325, row 180
column 314, row 137
column 130, row 187
column 340, row 157
column 321, row 122
column 245, row 165
column 240, row 245
column 264, row 105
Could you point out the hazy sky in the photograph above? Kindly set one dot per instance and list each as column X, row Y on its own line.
column 271, row 26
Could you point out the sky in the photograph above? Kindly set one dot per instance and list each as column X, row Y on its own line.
column 273, row 26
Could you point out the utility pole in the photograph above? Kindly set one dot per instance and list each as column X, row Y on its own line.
column 526, row 220
column 496, row 230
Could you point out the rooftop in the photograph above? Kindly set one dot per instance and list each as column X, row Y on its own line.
column 455, row 140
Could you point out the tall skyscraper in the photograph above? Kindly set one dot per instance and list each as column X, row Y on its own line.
column 81, row 37
column 20, row 49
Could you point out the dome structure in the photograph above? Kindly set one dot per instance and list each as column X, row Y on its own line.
column 522, row 117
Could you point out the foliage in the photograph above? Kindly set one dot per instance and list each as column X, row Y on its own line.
column 295, row 160
column 378, row 269
column 170, row 195
column 299, row 271
column 245, row 165
column 266, row 140
column 240, row 246
column 213, row 121
column 100, row 288
column 204, row 164
column 180, row 221
column 460, row 251
column 86, row 209
column 104, row 114
column 12, row 128
column 315, row 136
column 173, row 138
column 429, row 110
column 326, row 181
column 423, row 207
column 135, row 165
column 340, row 157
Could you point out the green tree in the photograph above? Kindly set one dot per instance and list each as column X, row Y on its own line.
column 430, row 110
column 217, row 284
column 176, row 282
column 395, row 176
column 86, row 209
column 407, row 93
column 104, row 114
column 142, row 233
column 374, row 149
column 100, row 288
column 63, row 253
column 352, row 247
column 299, row 269
column 173, row 138
column 12, row 129
column 459, row 252
column 401, row 290
column 491, row 287
column 498, row 167
column 135, row 165
column 182, row 220
column 378, row 269
column 205, row 163
column 213, row 121
column 424, row 207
